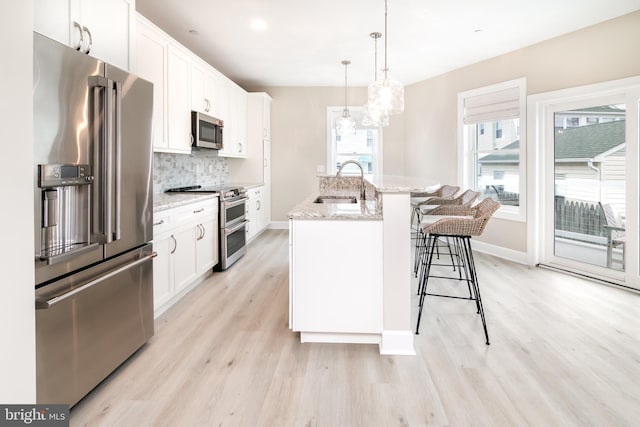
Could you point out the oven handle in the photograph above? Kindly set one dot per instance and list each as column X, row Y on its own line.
column 236, row 228
column 234, row 202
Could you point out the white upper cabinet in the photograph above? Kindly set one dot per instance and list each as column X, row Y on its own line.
column 178, row 100
column 235, row 123
column 166, row 64
column 151, row 60
column 101, row 28
column 204, row 93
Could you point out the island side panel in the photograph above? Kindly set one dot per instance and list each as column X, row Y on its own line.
column 336, row 275
column 397, row 337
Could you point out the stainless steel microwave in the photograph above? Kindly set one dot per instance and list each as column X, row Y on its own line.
column 206, row 131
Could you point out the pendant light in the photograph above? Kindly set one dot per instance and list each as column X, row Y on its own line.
column 387, row 94
column 345, row 124
column 373, row 115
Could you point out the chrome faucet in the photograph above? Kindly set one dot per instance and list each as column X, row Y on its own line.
column 363, row 195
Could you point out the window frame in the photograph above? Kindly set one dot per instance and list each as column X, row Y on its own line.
column 356, row 111
column 466, row 153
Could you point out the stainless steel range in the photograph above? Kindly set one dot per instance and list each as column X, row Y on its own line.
column 232, row 221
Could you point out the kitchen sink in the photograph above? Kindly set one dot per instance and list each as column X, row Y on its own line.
column 335, row 199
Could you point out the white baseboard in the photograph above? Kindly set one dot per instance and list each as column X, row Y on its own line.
column 279, row 225
column 499, row 251
column 342, row 338
column 398, row 343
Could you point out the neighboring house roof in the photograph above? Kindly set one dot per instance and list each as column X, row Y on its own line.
column 599, row 110
column 587, row 142
column 578, row 144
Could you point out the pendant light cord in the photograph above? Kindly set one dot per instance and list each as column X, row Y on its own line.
column 386, row 36
column 345, row 83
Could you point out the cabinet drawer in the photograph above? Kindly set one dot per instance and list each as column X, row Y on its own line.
column 255, row 193
column 195, row 212
column 162, row 222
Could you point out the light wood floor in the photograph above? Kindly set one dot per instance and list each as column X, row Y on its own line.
column 564, row 352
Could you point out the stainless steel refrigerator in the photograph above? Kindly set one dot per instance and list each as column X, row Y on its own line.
column 93, row 219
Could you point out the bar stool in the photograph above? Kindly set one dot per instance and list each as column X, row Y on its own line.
column 417, row 198
column 430, row 207
column 460, row 229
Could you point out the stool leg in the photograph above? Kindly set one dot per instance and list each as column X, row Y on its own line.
column 466, row 240
column 417, row 252
column 425, row 274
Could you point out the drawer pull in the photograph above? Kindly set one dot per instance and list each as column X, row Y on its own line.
column 199, row 210
column 159, row 222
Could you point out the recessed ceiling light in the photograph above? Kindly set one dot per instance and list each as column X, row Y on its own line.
column 258, row 24
column 194, row 32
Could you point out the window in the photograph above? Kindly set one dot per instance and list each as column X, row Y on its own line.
column 492, row 150
column 365, row 146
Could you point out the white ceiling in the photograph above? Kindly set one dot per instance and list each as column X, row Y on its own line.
column 305, row 40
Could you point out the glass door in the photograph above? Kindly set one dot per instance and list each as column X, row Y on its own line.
column 590, row 190
column 589, row 185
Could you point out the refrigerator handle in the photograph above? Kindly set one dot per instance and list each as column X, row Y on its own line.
column 107, row 162
column 100, row 146
column 117, row 86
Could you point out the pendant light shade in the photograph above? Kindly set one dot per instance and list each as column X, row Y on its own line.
column 373, row 114
column 387, row 95
column 384, row 93
column 345, row 124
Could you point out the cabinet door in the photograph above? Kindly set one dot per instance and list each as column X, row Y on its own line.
column 252, row 226
column 241, row 122
column 198, row 102
column 151, row 61
column 109, row 24
column 207, row 245
column 162, row 271
column 266, row 117
column 346, row 297
column 210, row 86
column 184, row 257
column 235, row 126
column 53, row 19
column 178, row 101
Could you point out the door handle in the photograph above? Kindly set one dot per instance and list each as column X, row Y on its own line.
column 79, row 45
column 175, row 245
column 90, row 39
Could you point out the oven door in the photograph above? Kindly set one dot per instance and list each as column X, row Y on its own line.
column 232, row 212
column 233, row 244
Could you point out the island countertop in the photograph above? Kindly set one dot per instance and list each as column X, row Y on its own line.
column 370, row 209
column 363, row 209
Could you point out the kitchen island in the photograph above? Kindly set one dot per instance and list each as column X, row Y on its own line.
column 350, row 267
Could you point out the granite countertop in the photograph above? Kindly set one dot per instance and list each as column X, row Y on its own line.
column 395, row 183
column 367, row 209
column 164, row 201
column 247, row 185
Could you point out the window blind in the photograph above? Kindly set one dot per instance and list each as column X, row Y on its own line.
column 502, row 104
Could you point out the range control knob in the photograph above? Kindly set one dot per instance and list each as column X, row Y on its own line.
column 88, row 178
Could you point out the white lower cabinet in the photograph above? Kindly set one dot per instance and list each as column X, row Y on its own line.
column 186, row 241
column 335, row 277
column 257, row 213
